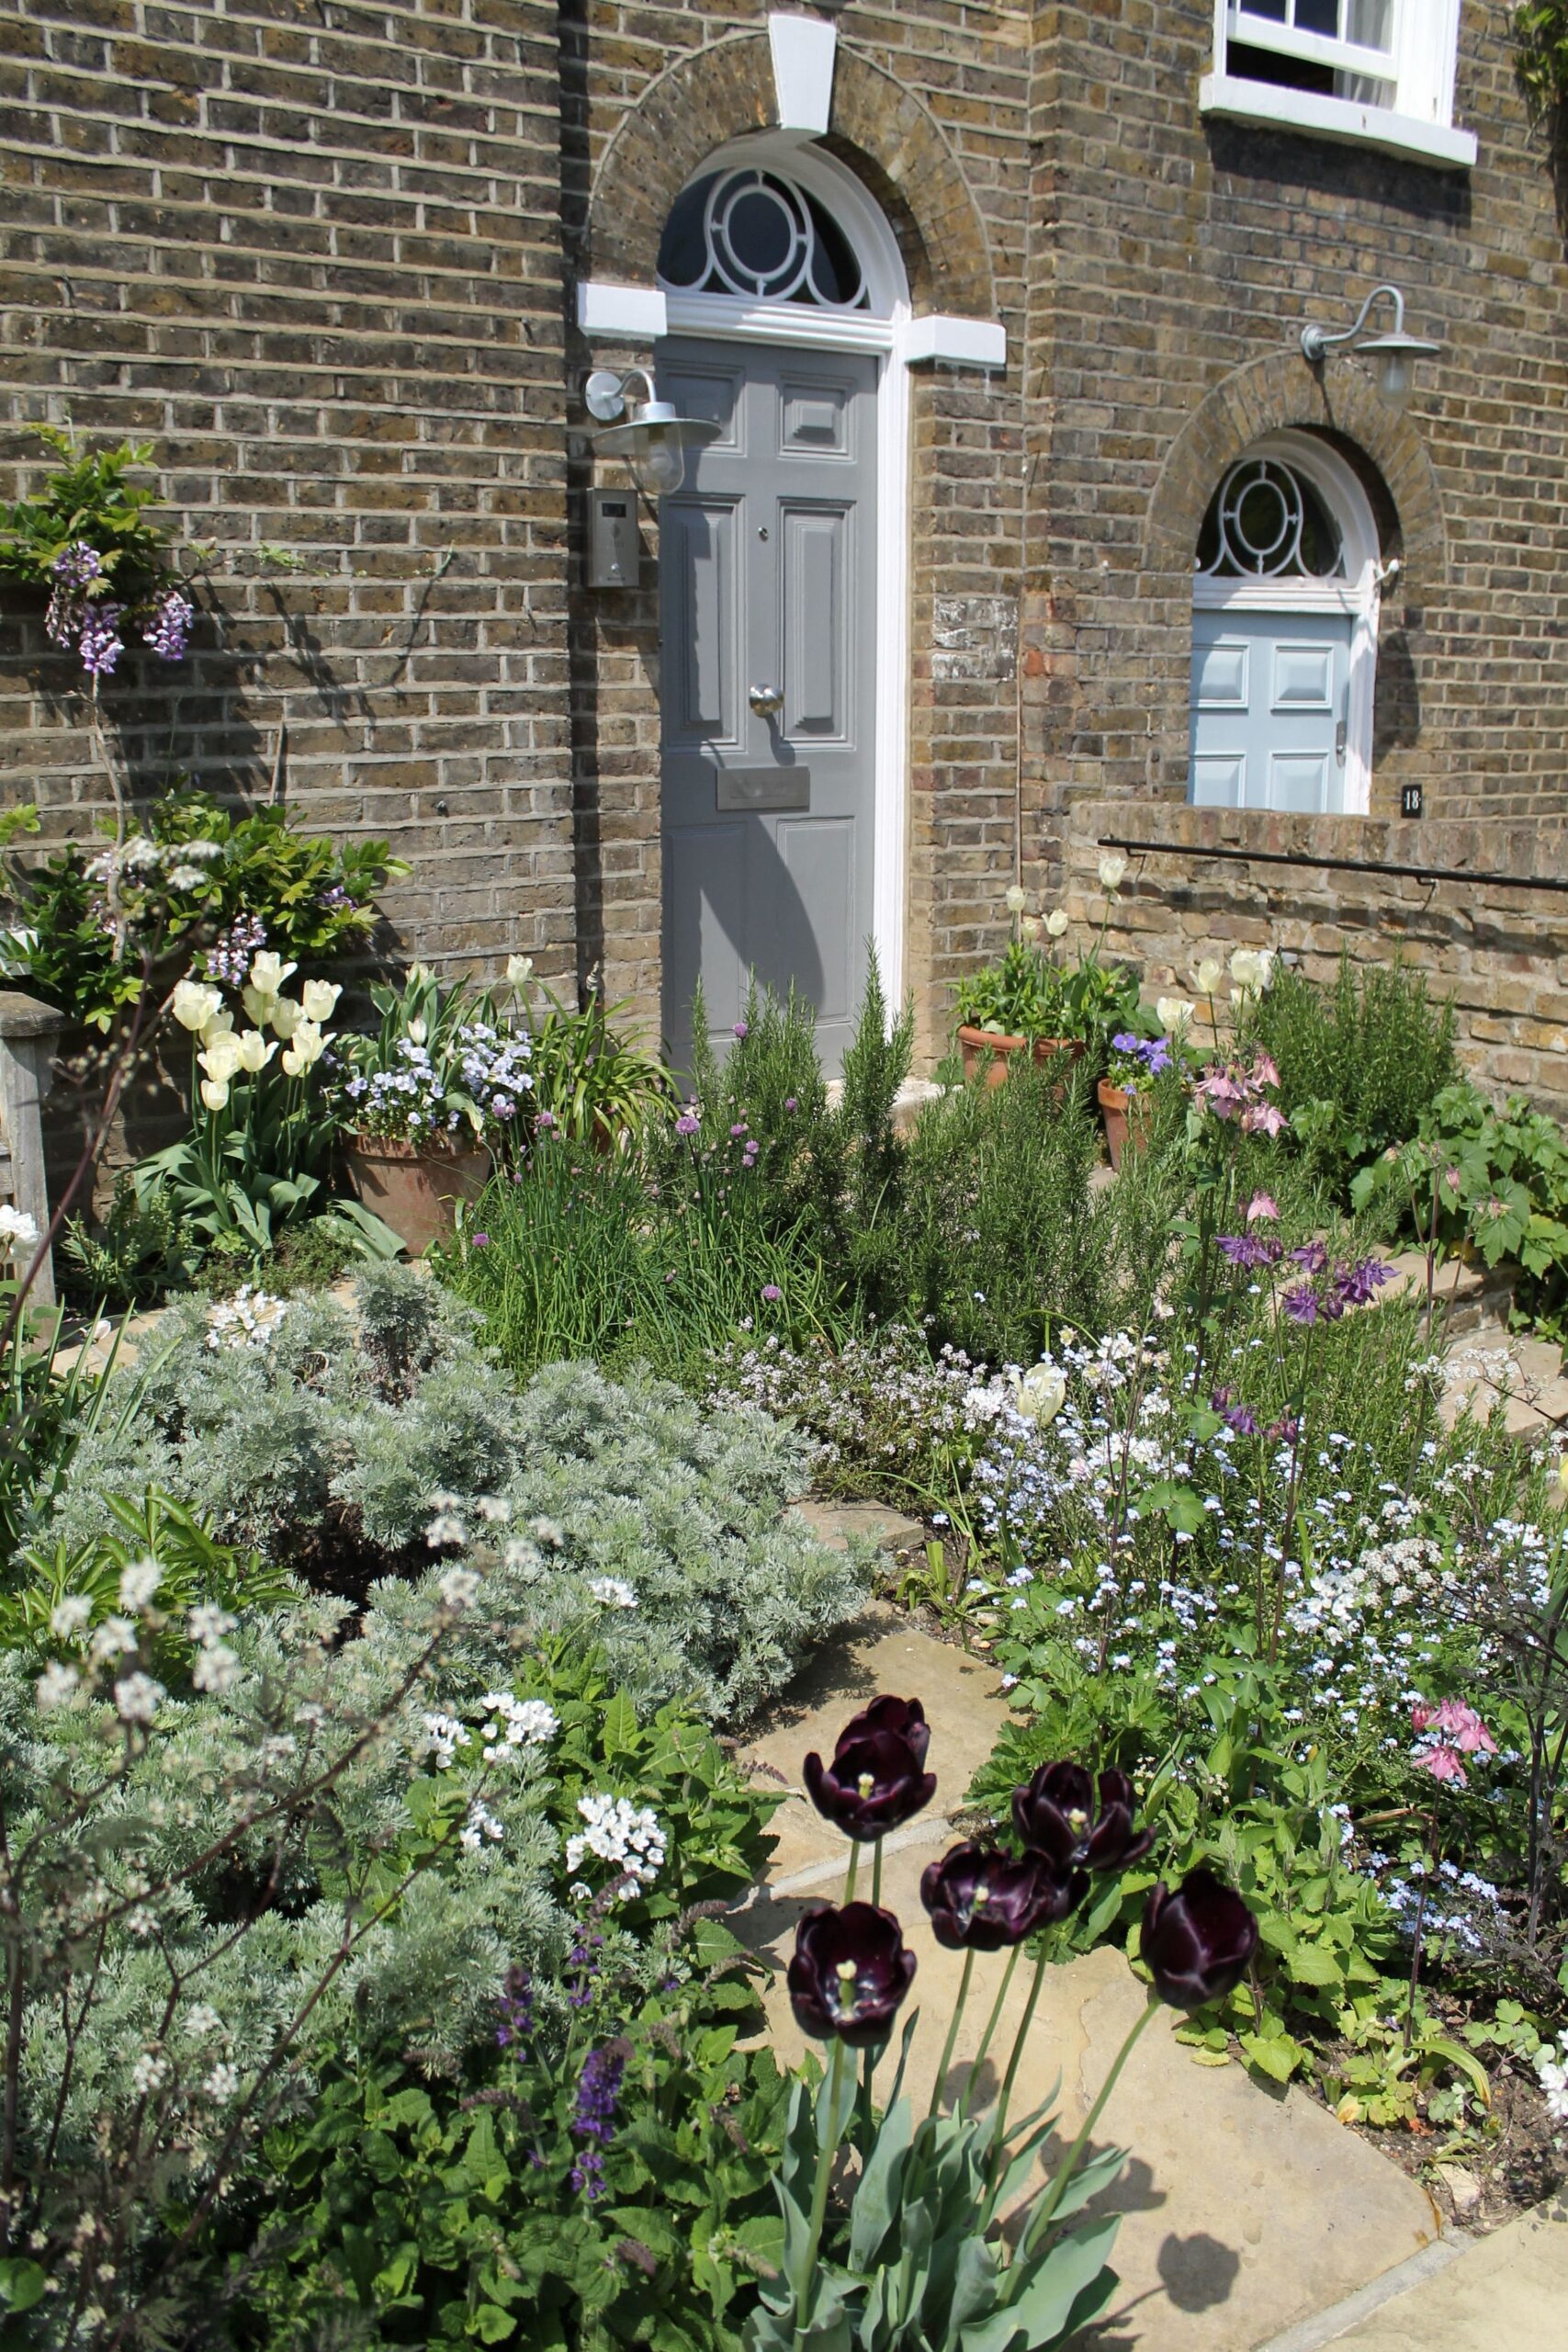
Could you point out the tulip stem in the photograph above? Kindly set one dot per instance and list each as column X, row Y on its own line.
column 854, row 1865
column 947, row 2046
column 998, row 2146
column 1041, row 2219
column 805, row 2276
column 876, row 1873
column 990, row 2034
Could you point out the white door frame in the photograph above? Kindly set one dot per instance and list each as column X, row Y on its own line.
column 1357, row 594
column 882, row 330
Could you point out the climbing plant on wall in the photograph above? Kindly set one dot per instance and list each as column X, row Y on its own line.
column 85, row 541
column 1541, row 31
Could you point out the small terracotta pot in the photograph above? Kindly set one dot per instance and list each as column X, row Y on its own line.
column 415, row 1188
column 983, row 1050
column 1125, row 1114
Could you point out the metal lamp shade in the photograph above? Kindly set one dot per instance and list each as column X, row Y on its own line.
column 654, row 442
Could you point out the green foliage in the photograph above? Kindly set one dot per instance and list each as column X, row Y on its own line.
column 312, row 900
column 1493, row 1181
column 321, row 1440
column 139, row 1249
column 89, row 497
column 596, row 1084
column 1540, row 38
column 1360, row 1062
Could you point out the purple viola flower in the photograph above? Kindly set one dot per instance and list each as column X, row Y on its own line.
column 1125, row 1043
column 984, row 1902
column 593, row 2118
column 849, row 1974
column 1055, row 1813
column 100, row 644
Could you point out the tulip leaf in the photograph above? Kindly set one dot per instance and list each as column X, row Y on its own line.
column 878, row 2197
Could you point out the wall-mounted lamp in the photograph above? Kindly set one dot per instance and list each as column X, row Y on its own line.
column 654, row 440
column 1395, row 353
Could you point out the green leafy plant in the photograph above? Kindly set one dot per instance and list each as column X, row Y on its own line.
column 1540, row 38
column 446, row 1067
column 199, row 883
column 589, row 1082
column 140, row 1248
column 88, row 542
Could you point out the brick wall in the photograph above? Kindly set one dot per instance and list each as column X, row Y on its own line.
column 313, row 256
column 1499, row 950
column 1170, row 253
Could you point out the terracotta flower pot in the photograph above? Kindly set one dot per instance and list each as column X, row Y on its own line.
column 415, row 1188
column 984, row 1050
column 1125, row 1114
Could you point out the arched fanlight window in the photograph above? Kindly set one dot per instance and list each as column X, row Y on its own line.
column 1267, row 521
column 755, row 234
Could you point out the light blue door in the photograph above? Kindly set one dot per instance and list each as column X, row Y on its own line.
column 1271, row 694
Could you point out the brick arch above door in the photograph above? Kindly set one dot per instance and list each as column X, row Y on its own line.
column 711, row 95
column 1280, row 393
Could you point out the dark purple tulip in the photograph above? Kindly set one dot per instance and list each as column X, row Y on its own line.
column 905, row 1718
column 985, row 1902
column 849, row 1972
column 875, row 1782
column 1198, row 1942
column 1055, row 1815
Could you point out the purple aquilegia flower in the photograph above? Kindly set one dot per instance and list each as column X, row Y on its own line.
column 169, row 626
column 1359, row 1285
column 1247, row 1249
column 516, row 2008
column 593, row 2118
column 1313, row 1255
column 1235, row 1417
column 1307, row 1305
column 100, row 644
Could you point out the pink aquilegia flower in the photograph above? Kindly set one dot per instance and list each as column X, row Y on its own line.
column 1448, row 1733
column 1444, row 1763
column 1262, row 1209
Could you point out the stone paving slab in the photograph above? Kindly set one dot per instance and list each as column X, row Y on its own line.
column 1504, row 2293
column 1245, row 2210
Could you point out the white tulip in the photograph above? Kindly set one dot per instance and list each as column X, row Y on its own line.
column 1113, row 866
column 1173, row 1013
column 254, row 1051
column 269, row 972
column 194, row 1005
column 1030, row 926
column 18, row 1231
column 1209, row 975
column 1017, row 900
column 1251, row 971
column 258, row 1005
column 1056, row 922
column 220, row 1025
column 1039, row 1393
column 306, row 1049
column 519, row 970
column 285, row 1016
column 214, row 1093
column 417, row 1031
column 222, row 1059
column 320, row 999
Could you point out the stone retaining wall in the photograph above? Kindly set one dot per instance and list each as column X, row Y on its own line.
column 1499, row 950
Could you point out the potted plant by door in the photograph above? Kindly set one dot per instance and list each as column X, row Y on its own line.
column 427, row 1100
column 1014, row 1006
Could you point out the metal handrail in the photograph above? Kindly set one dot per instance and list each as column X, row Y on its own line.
column 1339, row 865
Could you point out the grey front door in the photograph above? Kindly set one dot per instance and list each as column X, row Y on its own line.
column 768, row 687
column 1271, row 708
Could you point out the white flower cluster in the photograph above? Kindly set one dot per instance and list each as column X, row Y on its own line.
column 516, row 1722
column 1551, row 2068
column 481, row 1828
column 627, row 1835
column 612, row 1592
column 249, row 1319
column 216, row 1669
column 444, row 1736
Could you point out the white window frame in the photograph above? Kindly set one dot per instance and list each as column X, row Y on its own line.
column 1357, row 592
column 1418, row 124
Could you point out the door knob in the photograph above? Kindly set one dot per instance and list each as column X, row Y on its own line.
column 1339, row 735
column 765, row 700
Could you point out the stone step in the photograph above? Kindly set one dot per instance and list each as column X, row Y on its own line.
column 1245, row 2210
column 1504, row 2293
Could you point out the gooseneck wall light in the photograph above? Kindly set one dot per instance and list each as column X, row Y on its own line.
column 653, row 439
column 1395, row 353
